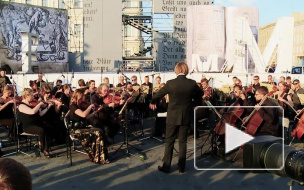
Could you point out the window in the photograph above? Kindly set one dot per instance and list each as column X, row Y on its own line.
column 61, row 4
column 128, row 31
column 77, row 3
column 77, row 29
column 45, row 3
column 28, row 1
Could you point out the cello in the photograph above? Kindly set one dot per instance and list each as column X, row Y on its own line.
column 254, row 120
column 233, row 114
column 298, row 131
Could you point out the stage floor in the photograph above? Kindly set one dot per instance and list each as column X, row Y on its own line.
column 134, row 173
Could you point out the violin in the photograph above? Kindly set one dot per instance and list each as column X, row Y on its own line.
column 35, row 102
column 115, row 98
column 83, row 105
column 298, row 131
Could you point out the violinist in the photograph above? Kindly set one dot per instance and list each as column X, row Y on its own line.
column 134, row 80
column 106, row 119
column 65, row 98
column 6, row 110
column 270, row 117
column 288, row 84
column 36, row 91
column 207, row 90
column 82, row 85
column 294, row 93
column 91, row 137
column 57, row 90
column 284, row 99
column 51, row 119
column 31, row 121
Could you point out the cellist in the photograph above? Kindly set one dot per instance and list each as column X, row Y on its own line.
column 270, row 118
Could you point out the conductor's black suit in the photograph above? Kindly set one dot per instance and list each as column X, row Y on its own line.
column 183, row 92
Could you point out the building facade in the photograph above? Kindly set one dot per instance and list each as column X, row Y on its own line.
column 298, row 38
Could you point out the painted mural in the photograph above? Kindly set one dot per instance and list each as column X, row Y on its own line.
column 50, row 25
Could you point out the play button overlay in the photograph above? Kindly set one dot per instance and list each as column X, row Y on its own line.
column 235, row 138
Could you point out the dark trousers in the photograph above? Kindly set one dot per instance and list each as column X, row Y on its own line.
column 171, row 133
column 37, row 130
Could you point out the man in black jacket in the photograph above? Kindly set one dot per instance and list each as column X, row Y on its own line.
column 183, row 92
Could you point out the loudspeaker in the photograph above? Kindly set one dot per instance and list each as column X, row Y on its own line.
column 253, row 150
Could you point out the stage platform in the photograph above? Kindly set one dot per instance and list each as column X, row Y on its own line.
column 132, row 173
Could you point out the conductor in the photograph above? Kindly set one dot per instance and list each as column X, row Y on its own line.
column 183, row 92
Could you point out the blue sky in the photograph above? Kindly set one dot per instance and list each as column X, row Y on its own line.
column 269, row 10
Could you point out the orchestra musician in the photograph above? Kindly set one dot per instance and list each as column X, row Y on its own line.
column 65, row 99
column 3, row 75
column 157, row 80
column 31, row 121
column 36, row 91
column 90, row 137
column 57, row 90
column 270, row 80
column 294, row 93
column 91, row 90
column 207, row 90
column 134, row 80
column 106, row 81
column 270, row 116
column 284, row 99
column 121, row 82
column 282, row 79
column 181, row 92
column 129, row 91
column 160, row 123
column 147, row 96
column 39, row 80
column 256, row 82
column 106, row 118
column 6, row 110
column 234, row 79
column 51, row 119
column 288, row 84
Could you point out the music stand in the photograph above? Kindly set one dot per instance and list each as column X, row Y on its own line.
column 214, row 137
column 125, row 132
